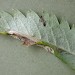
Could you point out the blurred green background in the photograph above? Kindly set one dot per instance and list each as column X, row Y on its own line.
column 16, row 59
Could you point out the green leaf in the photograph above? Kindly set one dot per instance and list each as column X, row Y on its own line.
column 44, row 31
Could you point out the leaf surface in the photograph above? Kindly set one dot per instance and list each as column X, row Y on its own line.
column 42, row 30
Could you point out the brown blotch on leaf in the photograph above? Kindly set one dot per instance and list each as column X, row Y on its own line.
column 28, row 41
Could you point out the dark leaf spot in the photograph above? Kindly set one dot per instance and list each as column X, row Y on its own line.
column 43, row 21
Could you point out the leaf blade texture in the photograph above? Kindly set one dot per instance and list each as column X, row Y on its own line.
column 32, row 29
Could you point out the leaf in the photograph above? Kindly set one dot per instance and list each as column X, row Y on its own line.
column 44, row 31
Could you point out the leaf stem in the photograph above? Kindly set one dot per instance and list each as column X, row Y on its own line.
column 4, row 33
column 57, row 51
